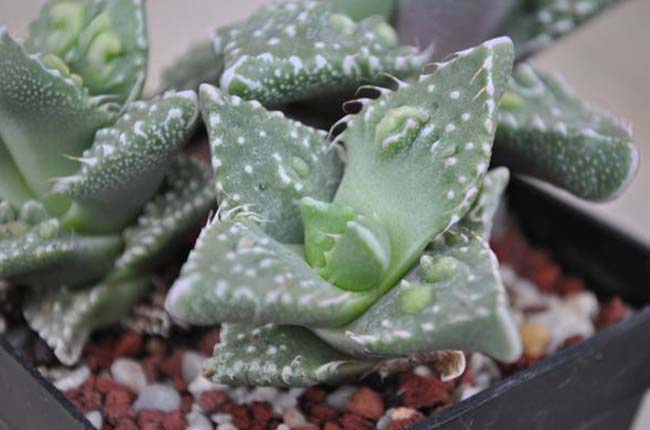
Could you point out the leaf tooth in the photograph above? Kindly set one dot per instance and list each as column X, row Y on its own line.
column 354, row 106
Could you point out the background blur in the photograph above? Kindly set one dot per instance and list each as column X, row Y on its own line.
column 607, row 62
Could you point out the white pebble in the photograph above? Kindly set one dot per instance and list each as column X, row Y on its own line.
column 340, row 397
column 129, row 373
column 294, row 419
column 96, row 419
column 226, row 426
column 198, row 421
column 158, row 397
column 73, row 379
column 192, row 365
column 201, row 384
column 384, row 422
column 221, row 418
column 286, row 400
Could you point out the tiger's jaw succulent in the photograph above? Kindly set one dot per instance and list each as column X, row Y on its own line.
column 416, row 162
column 93, row 190
column 296, row 50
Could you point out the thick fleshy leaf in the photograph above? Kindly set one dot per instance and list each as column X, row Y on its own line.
column 65, row 318
column 360, row 9
column 13, row 188
column 199, row 65
column 35, row 250
column 481, row 215
column 545, row 131
column 294, row 50
column 103, row 41
column 534, row 24
column 54, row 119
column 266, row 163
column 185, row 201
column 417, row 156
column 128, row 161
column 237, row 273
column 279, row 356
column 453, row 299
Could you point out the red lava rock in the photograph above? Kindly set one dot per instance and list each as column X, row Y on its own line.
column 611, row 313
column 118, row 405
column 572, row 340
column 180, row 383
column 208, row 341
column 366, row 403
column 129, row 345
column 174, row 421
column 126, row 424
column 321, row 412
column 100, row 355
column 146, row 417
column 355, row 422
column 240, row 416
column 547, row 278
column 570, row 285
column 332, row 425
column 404, row 417
column 261, row 411
column 314, row 395
column 186, row 403
column 418, row 391
column 172, row 365
column 211, row 401
column 151, row 367
column 468, row 377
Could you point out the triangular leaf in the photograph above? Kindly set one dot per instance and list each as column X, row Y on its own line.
column 55, row 118
column 13, row 188
column 453, row 299
column 545, row 131
column 103, row 41
column 266, row 162
column 128, row 161
column 294, row 50
column 279, row 356
column 36, row 250
column 417, row 156
column 65, row 318
column 186, row 200
column 237, row 273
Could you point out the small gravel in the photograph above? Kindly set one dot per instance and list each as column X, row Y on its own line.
column 96, row 419
column 73, row 379
column 340, row 397
column 129, row 373
column 198, row 421
column 192, row 365
column 158, row 397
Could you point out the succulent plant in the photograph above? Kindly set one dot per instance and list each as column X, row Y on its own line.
column 93, row 187
column 330, row 258
column 296, row 50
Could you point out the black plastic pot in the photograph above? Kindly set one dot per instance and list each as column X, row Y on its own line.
column 595, row 385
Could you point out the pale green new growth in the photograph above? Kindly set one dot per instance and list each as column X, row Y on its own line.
column 104, row 42
column 265, row 163
column 545, row 131
column 128, row 161
column 280, row 356
column 295, row 50
column 65, row 318
column 453, row 299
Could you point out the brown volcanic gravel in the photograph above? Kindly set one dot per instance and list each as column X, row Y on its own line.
column 169, row 369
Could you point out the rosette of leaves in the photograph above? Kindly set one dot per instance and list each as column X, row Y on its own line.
column 297, row 50
column 320, row 272
column 93, row 187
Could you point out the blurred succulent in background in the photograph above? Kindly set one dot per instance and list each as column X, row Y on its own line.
column 332, row 258
column 93, row 187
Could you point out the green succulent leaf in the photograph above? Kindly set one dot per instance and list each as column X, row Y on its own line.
column 453, row 299
column 36, row 250
column 295, row 50
column 65, row 318
column 237, row 273
column 546, row 132
column 13, row 188
column 199, row 65
column 184, row 202
column 534, row 24
column 279, row 356
column 360, row 9
column 102, row 41
column 266, row 163
column 417, row 156
column 128, row 161
column 54, row 119
column 481, row 215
